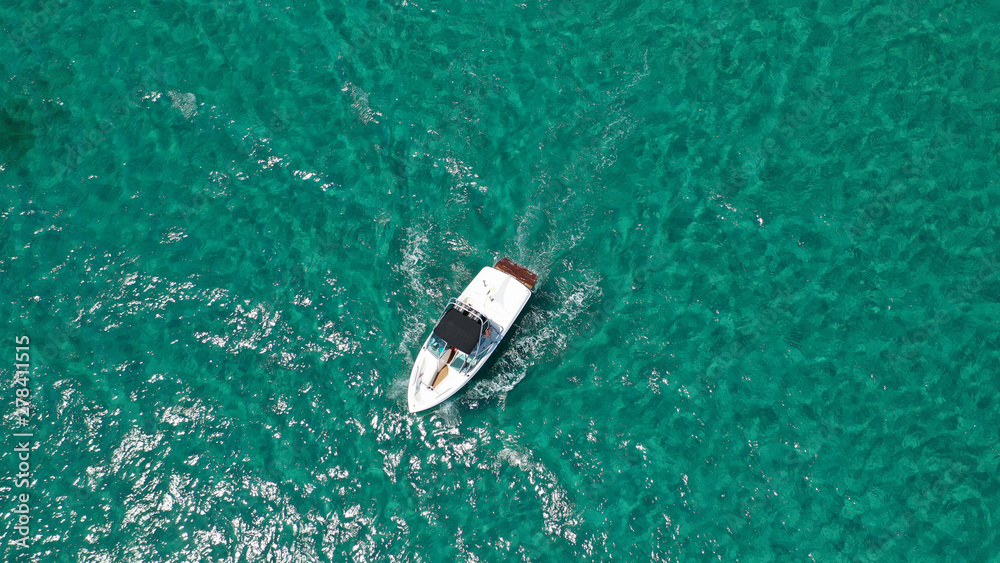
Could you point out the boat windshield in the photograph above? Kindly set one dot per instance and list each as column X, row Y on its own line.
column 461, row 362
column 437, row 346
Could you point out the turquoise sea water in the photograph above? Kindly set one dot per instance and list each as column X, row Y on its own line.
column 766, row 327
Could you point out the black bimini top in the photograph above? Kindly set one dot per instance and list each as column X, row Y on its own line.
column 459, row 330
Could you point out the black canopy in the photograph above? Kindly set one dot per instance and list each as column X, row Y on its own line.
column 459, row 330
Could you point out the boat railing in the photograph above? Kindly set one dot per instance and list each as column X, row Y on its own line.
column 466, row 308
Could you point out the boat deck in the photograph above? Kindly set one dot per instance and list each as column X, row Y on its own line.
column 520, row 273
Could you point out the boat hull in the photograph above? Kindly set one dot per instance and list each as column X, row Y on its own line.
column 496, row 296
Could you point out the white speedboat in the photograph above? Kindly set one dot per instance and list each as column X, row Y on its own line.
column 468, row 332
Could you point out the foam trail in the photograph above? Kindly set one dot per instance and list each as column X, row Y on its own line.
column 539, row 338
column 413, row 256
column 559, row 515
column 412, row 268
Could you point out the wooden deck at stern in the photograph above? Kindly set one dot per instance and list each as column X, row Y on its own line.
column 520, row 273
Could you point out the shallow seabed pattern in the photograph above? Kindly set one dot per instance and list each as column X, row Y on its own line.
column 766, row 325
